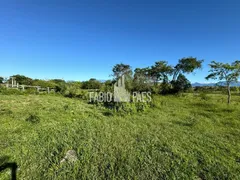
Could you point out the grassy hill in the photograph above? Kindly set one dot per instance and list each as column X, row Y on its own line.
column 183, row 137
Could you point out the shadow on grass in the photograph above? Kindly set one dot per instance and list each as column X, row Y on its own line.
column 107, row 113
column 181, row 123
column 4, row 164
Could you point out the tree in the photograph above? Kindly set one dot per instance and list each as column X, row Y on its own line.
column 225, row 71
column 186, row 65
column 22, row 79
column 91, row 84
column 126, row 70
column 160, row 71
column 121, row 69
column 59, row 85
column 181, row 84
column 108, row 86
column 141, row 79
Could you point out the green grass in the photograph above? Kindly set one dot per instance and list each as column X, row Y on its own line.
column 180, row 138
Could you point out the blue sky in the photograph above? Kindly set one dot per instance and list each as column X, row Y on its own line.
column 79, row 40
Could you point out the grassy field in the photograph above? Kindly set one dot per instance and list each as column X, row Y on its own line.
column 180, row 138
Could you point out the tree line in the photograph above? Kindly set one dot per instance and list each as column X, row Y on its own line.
column 160, row 78
column 148, row 78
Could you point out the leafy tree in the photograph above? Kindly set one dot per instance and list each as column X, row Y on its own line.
column 186, row 65
column 181, row 84
column 141, row 73
column 126, row 70
column 160, row 72
column 91, row 84
column 108, row 86
column 141, row 80
column 225, row 71
column 121, row 69
column 22, row 79
column 59, row 85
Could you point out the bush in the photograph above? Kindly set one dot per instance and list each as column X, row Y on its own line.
column 165, row 88
column 181, row 84
column 11, row 91
column 74, row 92
column 70, row 92
column 30, row 91
column 61, row 88
column 82, row 94
column 91, row 84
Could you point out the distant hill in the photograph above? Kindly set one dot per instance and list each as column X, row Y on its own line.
column 223, row 83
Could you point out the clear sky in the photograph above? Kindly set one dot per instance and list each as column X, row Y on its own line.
column 79, row 40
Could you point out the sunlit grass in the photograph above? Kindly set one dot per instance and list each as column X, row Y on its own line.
column 181, row 137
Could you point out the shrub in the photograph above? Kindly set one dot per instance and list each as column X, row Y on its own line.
column 82, row 94
column 70, row 91
column 11, row 91
column 61, row 88
column 74, row 92
column 181, row 84
column 165, row 88
column 91, row 84
column 30, row 91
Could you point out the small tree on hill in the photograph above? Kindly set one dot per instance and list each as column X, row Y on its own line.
column 225, row 71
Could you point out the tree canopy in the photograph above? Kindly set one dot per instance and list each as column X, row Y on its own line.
column 121, row 69
column 160, row 71
column 187, row 65
column 225, row 71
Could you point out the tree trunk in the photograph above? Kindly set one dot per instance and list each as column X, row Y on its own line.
column 229, row 93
